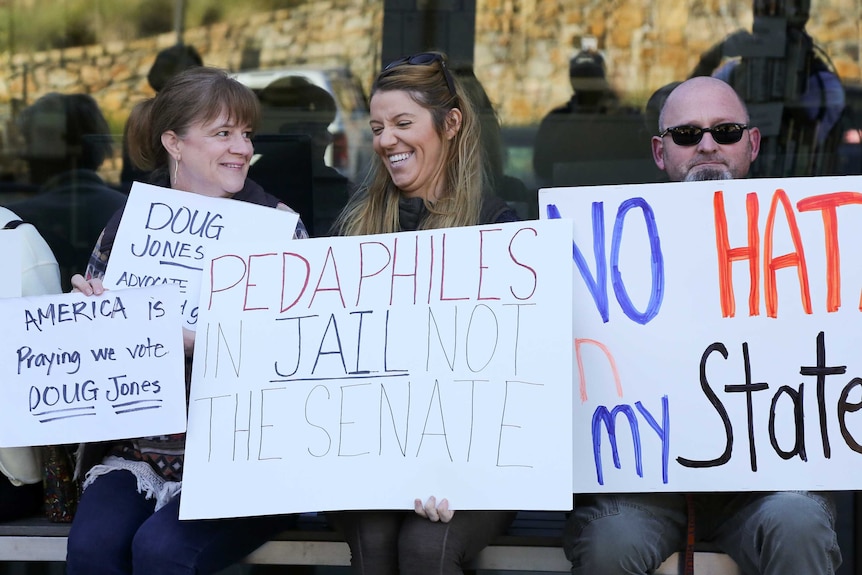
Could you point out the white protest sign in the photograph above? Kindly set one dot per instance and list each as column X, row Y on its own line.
column 10, row 279
column 364, row 372
column 716, row 330
column 165, row 234
column 77, row 369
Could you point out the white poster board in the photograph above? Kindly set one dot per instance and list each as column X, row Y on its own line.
column 365, row 372
column 78, row 369
column 165, row 234
column 10, row 279
column 716, row 330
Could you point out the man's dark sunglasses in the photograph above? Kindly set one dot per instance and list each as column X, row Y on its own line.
column 425, row 59
column 692, row 135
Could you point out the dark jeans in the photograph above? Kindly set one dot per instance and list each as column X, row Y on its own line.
column 392, row 542
column 116, row 531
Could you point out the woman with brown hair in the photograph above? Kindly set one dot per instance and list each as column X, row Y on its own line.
column 195, row 136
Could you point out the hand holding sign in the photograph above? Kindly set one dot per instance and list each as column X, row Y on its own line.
column 434, row 511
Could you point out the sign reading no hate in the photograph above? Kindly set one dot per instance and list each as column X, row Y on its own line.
column 716, row 334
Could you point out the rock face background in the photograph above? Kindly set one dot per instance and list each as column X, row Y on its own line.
column 521, row 54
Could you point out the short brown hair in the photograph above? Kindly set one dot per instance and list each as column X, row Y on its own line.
column 195, row 96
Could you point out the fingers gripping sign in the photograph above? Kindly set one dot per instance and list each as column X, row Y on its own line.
column 433, row 511
column 87, row 287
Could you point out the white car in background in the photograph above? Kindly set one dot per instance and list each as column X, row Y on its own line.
column 350, row 150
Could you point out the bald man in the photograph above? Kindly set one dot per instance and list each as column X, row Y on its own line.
column 704, row 134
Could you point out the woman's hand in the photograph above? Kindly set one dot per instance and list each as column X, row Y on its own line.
column 87, row 287
column 432, row 511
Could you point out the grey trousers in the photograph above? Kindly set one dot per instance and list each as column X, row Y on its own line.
column 393, row 542
column 776, row 533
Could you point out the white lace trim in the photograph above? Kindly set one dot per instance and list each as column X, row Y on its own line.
column 149, row 482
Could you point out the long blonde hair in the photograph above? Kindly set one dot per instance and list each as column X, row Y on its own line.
column 374, row 209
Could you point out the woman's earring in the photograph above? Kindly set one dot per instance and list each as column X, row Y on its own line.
column 176, row 171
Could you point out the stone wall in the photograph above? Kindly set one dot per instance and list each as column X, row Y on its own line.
column 646, row 44
column 322, row 32
column 319, row 32
column 521, row 56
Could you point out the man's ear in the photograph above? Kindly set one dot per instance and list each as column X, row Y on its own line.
column 171, row 142
column 453, row 123
column 658, row 152
column 754, row 138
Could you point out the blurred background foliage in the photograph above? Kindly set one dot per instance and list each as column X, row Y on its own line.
column 34, row 25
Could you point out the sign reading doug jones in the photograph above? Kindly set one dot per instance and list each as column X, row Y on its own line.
column 361, row 373
column 716, row 330
column 165, row 234
column 76, row 369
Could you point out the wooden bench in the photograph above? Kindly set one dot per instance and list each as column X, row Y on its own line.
column 505, row 554
column 532, row 545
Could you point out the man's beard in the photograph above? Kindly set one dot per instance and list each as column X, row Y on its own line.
column 707, row 174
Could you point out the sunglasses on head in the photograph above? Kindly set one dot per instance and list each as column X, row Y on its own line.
column 692, row 135
column 424, row 59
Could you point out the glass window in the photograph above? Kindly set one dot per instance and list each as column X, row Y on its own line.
column 564, row 87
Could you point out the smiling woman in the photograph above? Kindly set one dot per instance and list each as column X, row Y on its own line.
column 429, row 172
column 426, row 139
column 406, row 141
column 216, row 156
column 194, row 136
